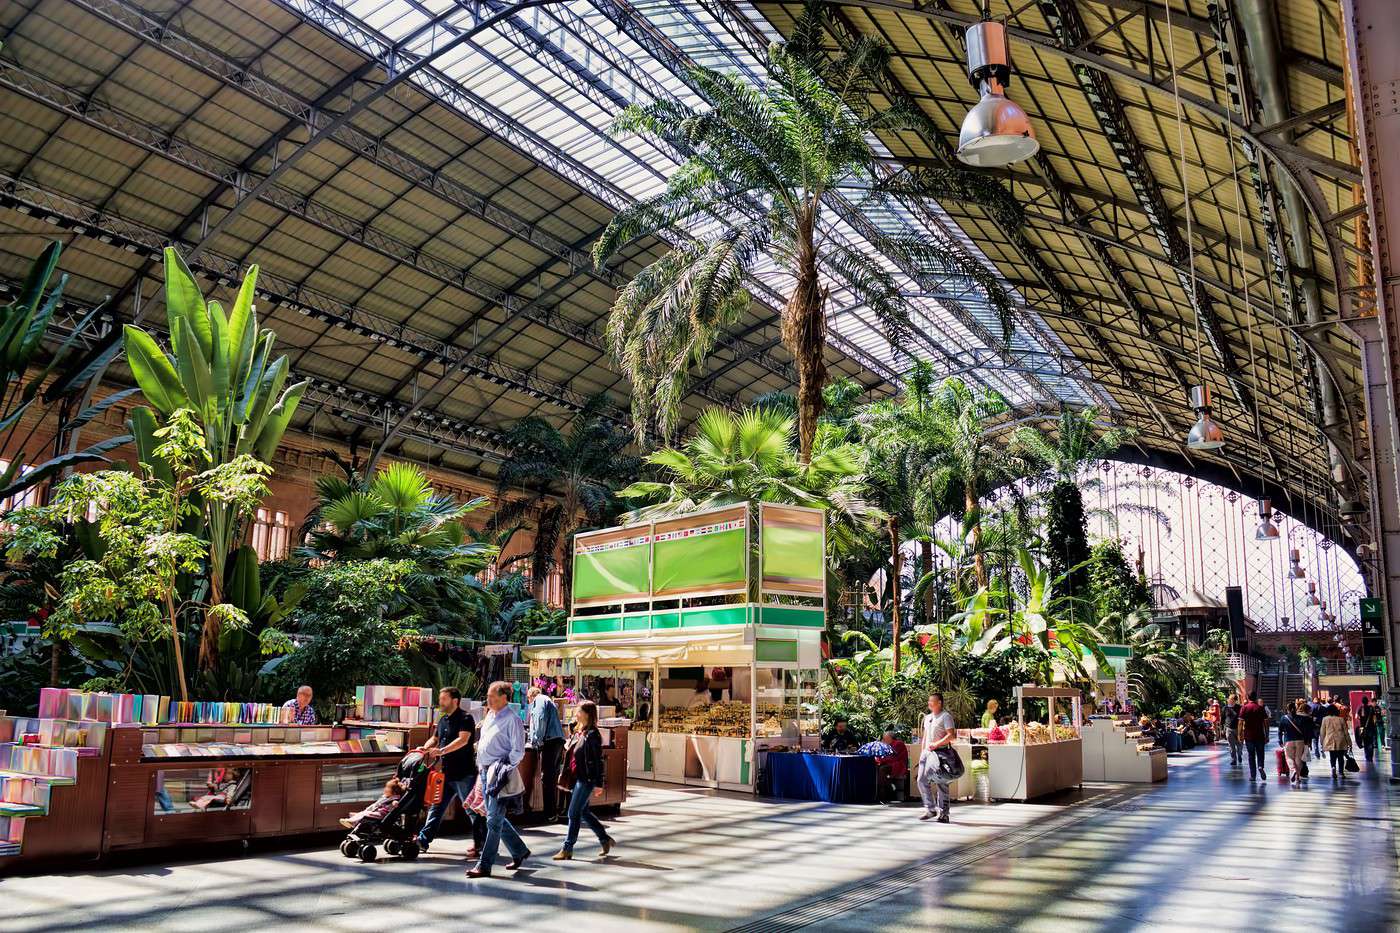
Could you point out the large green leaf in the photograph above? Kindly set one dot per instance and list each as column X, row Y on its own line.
column 277, row 420
column 143, row 425
column 39, row 323
column 252, row 383
column 41, row 472
column 243, row 588
column 220, row 365
column 77, row 373
column 154, row 372
column 193, row 366
column 184, row 300
column 39, row 274
column 96, row 409
column 242, row 334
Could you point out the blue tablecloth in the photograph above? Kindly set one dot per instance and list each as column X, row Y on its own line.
column 813, row 776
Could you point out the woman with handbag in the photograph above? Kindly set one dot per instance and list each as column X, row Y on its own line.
column 582, row 774
column 939, row 763
column 1336, row 740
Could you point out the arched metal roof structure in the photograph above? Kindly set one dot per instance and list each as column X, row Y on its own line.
column 425, row 255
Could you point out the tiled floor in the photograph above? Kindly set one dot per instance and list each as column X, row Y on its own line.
column 1207, row 850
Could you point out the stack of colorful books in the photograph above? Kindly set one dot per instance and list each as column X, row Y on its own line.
column 410, row 706
column 60, row 703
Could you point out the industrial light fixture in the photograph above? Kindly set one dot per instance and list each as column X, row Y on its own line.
column 1312, row 593
column 1205, row 433
column 1295, row 565
column 996, row 132
column 1267, row 530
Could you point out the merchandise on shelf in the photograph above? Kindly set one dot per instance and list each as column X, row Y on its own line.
column 411, row 706
column 729, row 719
column 190, row 742
column 87, row 736
column 60, row 703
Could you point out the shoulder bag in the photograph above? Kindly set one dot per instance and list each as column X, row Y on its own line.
column 950, row 763
column 1351, row 765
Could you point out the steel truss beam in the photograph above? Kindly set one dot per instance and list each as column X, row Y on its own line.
column 452, row 93
column 1069, row 29
column 893, row 90
column 109, row 228
column 336, row 400
column 128, row 17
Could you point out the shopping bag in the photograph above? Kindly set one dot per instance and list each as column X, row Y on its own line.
column 1281, row 761
column 1351, row 765
column 433, row 790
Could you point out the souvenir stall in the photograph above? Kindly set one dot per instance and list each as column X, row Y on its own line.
column 97, row 773
column 704, row 631
column 1037, row 758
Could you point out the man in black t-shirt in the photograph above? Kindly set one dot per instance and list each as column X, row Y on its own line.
column 455, row 743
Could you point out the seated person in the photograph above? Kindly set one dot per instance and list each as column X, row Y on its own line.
column 894, row 768
column 393, row 790
column 840, row 739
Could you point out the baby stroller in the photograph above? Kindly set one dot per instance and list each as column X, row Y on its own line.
column 397, row 832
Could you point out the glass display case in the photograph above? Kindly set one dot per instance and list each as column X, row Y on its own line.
column 200, row 790
column 785, row 702
column 714, row 701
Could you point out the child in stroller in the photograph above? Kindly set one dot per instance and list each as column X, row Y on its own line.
column 391, row 823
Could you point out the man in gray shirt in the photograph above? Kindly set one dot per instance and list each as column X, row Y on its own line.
column 498, row 754
column 938, row 732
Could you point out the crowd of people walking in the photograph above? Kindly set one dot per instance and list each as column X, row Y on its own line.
column 1307, row 731
column 480, row 769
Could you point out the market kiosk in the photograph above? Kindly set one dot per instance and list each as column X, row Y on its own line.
column 704, row 630
column 1037, row 758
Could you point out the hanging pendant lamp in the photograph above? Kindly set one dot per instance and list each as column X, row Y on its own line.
column 1267, row 530
column 1295, row 565
column 1205, row 433
column 996, row 132
column 1312, row 593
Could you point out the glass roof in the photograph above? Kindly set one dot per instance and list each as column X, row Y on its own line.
column 550, row 80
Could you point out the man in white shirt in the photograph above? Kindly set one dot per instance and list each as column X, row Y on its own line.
column 939, row 730
column 498, row 754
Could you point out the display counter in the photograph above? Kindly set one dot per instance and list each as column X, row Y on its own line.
column 612, row 794
column 1114, row 750
column 1037, row 758
column 205, row 788
column 821, row 776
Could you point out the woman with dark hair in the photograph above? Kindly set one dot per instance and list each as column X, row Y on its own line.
column 584, row 763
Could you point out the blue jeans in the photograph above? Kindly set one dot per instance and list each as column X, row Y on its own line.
column 451, row 790
column 499, row 828
column 1256, row 755
column 579, row 813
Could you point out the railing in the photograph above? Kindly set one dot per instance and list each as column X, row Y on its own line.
column 1243, row 664
column 1350, row 666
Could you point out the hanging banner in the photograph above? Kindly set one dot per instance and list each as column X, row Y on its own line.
column 792, row 543
column 702, row 553
column 612, row 566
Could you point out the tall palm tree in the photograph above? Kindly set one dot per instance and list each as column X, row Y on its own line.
column 767, row 168
column 905, row 443
column 971, row 462
column 1158, row 663
column 569, row 480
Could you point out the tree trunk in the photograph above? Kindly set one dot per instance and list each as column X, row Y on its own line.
column 978, row 561
column 53, row 662
column 179, row 648
column 926, row 559
column 209, row 635
column 804, row 332
column 894, row 588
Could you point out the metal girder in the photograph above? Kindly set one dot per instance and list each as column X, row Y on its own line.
column 452, row 93
column 136, row 238
column 1068, row 27
column 359, row 105
column 351, row 405
column 1373, row 50
column 1262, row 44
column 893, row 90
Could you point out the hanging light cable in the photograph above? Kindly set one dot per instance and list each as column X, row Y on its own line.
column 1205, row 434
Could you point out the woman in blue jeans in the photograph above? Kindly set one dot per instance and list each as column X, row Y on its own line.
column 585, row 754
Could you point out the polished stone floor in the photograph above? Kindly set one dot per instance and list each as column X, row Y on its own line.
column 1207, row 850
